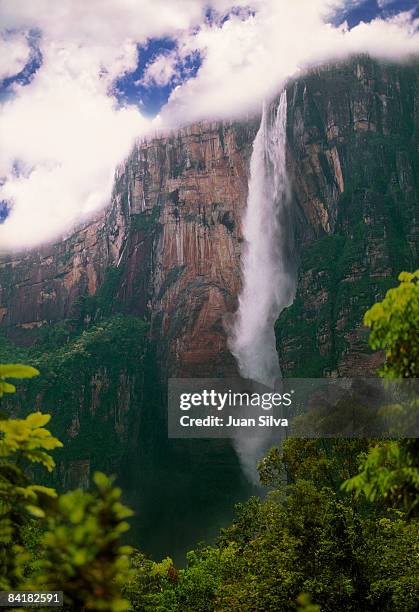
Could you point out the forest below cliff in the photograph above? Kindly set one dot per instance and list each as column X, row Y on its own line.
column 337, row 528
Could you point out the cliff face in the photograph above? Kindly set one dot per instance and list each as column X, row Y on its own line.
column 167, row 251
column 353, row 137
column 190, row 190
column 39, row 288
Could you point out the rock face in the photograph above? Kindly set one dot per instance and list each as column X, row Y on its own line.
column 39, row 288
column 353, row 137
column 166, row 250
column 192, row 187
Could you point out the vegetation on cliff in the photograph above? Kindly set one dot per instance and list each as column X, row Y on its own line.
column 87, row 371
column 367, row 236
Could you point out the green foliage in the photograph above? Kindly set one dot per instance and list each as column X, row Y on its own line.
column 297, row 323
column 307, row 546
column 305, row 604
column 22, row 442
column 148, row 587
column 322, row 539
column 68, row 542
column 82, row 554
column 146, row 220
column 389, row 471
column 327, row 462
column 105, row 302
column 101, row 345
column 11, row 352
column 394, row 326
column 85, row 376
column 28, row 439
column 298, row 541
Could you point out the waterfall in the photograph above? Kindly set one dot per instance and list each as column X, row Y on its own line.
column 268, row 272
column 268, row 269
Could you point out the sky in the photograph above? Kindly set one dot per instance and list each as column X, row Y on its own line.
column 81, row 80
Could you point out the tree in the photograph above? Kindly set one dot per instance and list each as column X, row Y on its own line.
column 394, row 324
column 22, row 442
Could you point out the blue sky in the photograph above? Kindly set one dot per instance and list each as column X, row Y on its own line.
column 370, row 9
column 150, row 98
column 24, row 76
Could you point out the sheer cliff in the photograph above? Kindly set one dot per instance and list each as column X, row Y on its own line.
column 354, row 163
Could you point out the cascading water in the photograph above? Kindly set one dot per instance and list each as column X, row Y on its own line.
column 268, row 267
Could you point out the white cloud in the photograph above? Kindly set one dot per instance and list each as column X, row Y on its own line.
column 65, row 128
column 161, row 70
column 14, row 53
column 102, row 22
column 68, row 136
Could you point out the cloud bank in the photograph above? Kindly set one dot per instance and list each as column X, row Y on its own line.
column 63, row 133
column 247, row 60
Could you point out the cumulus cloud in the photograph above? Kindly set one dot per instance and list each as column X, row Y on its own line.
column 100, row 22
column 63, row 133
column 62, row 136
column 14, row 53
